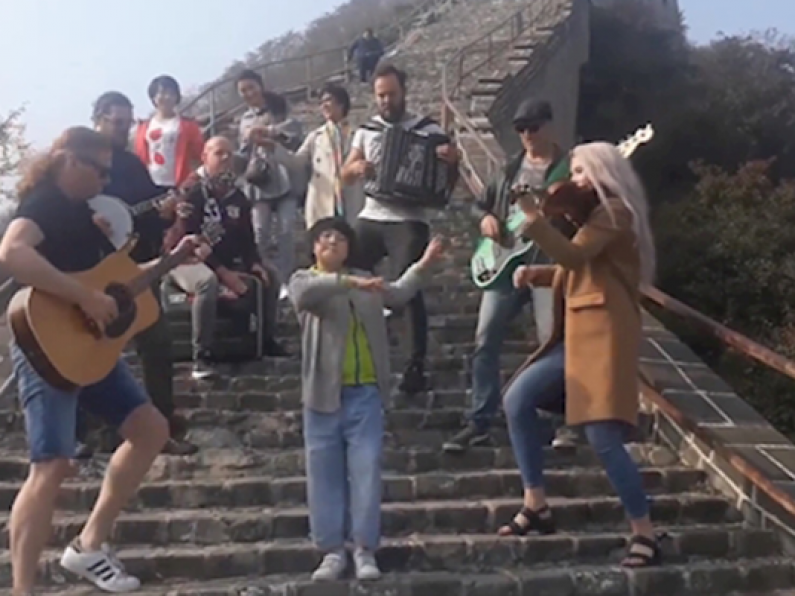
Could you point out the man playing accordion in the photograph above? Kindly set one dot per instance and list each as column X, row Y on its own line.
column 394, row 228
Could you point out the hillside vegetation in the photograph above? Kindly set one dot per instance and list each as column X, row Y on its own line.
column 720, row 175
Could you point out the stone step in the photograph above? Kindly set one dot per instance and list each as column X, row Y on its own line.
column 241, row 525
column 291, row 400
column 757, row 576
column 267, row 491
column 215, row 464
column 430, row 553
column 485, row 90
column 438, row 379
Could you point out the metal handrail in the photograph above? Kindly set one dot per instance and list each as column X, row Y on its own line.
column 419, row 7
column 729, row 337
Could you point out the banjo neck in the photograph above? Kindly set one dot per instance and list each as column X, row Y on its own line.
column 176, row 194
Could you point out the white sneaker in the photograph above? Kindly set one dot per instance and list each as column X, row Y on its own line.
column 101, row 568
column 331, row 568
column 366, row 567
column 387, row 313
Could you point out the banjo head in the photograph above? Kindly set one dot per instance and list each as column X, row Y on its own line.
column 118, row 215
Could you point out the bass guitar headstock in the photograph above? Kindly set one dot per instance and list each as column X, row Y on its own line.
column 640, row 137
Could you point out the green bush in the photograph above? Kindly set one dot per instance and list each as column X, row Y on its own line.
column 718, row 174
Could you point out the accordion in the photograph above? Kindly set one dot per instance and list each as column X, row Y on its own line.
column 408, row 171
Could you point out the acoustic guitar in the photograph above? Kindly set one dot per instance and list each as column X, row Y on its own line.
column 65, row 347
column 493, row 263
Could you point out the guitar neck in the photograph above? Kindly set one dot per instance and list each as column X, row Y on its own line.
column 148, row 205
column 158, row 270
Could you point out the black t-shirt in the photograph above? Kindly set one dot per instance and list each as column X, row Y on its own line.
column 72, row 242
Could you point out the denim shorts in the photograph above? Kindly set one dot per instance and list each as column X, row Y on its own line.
column 51, row 414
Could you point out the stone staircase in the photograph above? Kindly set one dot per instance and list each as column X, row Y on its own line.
column 232, row 519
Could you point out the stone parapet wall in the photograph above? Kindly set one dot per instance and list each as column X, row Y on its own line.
column 553, row 73
column 712, row 428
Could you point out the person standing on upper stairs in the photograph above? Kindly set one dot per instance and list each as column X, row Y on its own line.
column 540, row 162
column 170, row 145
column 588, row 367
column 323, row 154
column 387, row 229
column 275, row 185
column 367, row 50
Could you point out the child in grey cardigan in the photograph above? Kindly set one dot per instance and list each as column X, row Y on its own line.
column 345, row 377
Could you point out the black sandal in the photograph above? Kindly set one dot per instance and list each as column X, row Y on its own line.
column 642, row 552
column 540, row 521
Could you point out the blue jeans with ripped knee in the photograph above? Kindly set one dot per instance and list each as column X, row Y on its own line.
column 542, row 386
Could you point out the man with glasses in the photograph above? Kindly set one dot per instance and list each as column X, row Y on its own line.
column 535, row 166
column 130, row 181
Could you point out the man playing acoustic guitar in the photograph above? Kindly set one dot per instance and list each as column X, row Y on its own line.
column 540, row 163
column 54, row 233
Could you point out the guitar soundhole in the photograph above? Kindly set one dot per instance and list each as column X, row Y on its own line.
column 127, row 310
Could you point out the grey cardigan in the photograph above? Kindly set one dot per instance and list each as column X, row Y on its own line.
column 323, row 305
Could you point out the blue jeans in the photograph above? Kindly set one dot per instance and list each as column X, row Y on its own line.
column 498, row 309
column 343, row 465
column 542, row 386
column 51, row 414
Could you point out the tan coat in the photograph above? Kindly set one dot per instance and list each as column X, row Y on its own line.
column 595, row 284
column 317, row 156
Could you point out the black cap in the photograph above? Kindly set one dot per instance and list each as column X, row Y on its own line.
column 338, row 224
column 533, row 112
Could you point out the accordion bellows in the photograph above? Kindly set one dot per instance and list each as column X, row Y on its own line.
column 409, row 172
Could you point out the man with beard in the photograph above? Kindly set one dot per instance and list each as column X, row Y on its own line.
column 387, row 229
column 130, row 181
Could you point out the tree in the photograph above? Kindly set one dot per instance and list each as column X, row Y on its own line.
column 13, row 150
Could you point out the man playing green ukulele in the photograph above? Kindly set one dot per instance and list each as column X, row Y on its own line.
column 540, row 163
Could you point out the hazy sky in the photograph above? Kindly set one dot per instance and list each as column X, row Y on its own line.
column 57, row 56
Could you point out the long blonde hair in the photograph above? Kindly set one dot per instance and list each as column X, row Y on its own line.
column 612, row 175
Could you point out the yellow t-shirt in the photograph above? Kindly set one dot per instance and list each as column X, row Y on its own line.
column 357, row 367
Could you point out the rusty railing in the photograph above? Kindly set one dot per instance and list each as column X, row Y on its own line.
column 318, row 67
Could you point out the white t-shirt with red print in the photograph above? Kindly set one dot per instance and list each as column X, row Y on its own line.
column 161, row 137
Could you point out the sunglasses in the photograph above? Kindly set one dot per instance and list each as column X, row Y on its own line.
column 531, row 128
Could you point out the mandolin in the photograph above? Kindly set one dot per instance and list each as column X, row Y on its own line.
column 67, row 349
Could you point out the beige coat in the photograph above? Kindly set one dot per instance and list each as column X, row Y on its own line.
column 316, row 155
column 596, row 288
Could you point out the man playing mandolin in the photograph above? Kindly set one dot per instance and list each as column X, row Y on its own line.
column 52, row 235
column 232, row 259
column 540, row 163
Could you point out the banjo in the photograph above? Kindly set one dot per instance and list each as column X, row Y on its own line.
column 120, row 216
